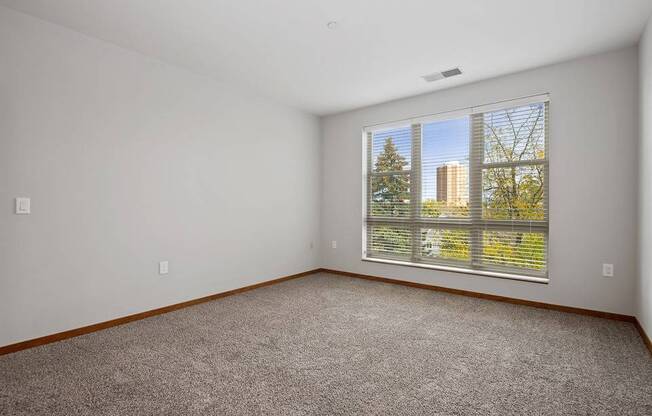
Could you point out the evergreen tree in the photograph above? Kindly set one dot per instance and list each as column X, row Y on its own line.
column 390, row 188
column 390, row 195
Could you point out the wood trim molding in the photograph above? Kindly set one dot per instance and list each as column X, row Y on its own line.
column 523, row 302
column 542, row 305
column 646, row 339
column 7, row 349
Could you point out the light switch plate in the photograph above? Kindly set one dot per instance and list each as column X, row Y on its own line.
column 23, row 205
column 163, row 267
column 607, row 270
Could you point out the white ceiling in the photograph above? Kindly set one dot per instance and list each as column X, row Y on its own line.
column 282, row 49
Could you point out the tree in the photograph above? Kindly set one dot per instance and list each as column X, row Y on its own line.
column 390, row 187
column 390, row 198
column 448, row 244
column 514, row 192
column 390, row 193
column 431, row 208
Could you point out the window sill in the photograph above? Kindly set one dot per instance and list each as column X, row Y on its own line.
column 532, row 279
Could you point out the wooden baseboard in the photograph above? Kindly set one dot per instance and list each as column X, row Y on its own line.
column 523, row 302
column 646, row 339
column 590, row 312
column 7, row 349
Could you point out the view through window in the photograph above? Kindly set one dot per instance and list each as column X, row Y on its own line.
column 469, row 191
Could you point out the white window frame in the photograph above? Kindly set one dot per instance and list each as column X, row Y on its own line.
column 475, row 224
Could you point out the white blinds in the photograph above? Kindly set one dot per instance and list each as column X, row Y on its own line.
column 467, row 191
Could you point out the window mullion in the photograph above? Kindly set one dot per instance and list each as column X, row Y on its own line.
column 415, row 191
column 476, row 159
column 546, row 168
column 367, row 233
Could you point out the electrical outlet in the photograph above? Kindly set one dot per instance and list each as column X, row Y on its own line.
column 23, row 206
column 163, row 267
column 333, row 244
column 607, row 270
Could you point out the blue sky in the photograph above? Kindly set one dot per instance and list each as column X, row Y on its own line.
column 443, row 141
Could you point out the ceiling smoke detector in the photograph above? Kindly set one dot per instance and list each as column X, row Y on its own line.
column 441, row 75
column 332, row 25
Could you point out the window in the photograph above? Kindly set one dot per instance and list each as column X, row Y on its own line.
column 463, row 191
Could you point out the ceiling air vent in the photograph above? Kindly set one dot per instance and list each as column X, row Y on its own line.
column 441, row 75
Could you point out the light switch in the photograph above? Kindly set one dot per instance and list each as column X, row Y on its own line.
column 163, row 267
column 607, row 270
column 23, row 206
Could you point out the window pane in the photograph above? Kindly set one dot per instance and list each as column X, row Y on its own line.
column 515, row 134
column 445, row 244
column 389, row 241
column 514, row 249
column 391, row 150
column 445, row 169
column 514, row 193
column 390, row 195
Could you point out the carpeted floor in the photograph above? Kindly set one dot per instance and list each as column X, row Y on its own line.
column 329, row 345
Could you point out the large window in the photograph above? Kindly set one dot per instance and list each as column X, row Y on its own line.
column 465, row 191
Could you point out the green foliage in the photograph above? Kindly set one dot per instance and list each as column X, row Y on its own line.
column 391, row 240
column 390, row 160
column 455, row 244
column 431, row 208
column 448, row 244
column 514, row 192
column 526, row 250
column 390, row 198
column 390, row 193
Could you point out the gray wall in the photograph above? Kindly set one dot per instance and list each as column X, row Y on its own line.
column 130, row 161
column 593, row 187
column 644, row 292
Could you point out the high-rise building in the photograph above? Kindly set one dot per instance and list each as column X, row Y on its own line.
column 453, row 183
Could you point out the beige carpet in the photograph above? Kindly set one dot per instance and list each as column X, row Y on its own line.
column 324, row 345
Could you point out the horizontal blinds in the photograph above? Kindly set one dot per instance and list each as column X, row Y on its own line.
column 390, row 172
column 467, row 191
column 510, row 147
column 510, row 150
column 463, row 112
column 445, row 169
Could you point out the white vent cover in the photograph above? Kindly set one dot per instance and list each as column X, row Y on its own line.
column 441, row 75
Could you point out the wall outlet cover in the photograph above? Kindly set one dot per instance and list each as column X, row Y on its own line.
column 23, row 206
